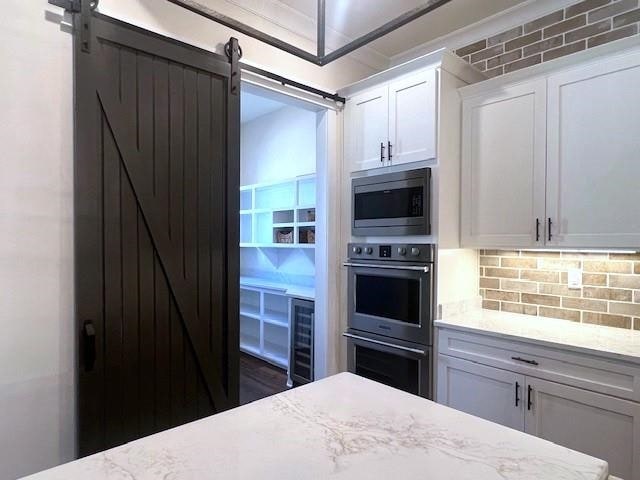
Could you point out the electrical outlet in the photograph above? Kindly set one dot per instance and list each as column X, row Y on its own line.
column 574, row 278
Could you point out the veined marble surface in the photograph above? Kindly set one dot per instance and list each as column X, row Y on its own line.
column 342, row 427
column 599, row 340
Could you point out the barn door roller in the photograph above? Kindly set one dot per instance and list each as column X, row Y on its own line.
column 84, row 8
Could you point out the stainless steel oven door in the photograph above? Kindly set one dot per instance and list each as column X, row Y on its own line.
column 400, row 365
column 392, row 300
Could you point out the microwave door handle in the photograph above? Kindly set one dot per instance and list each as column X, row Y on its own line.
column 414, row 268
column 384, row 344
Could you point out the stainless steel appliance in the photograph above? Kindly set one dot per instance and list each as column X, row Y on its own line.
column 390, row 317
column 392, row 204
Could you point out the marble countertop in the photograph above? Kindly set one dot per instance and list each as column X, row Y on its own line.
column 343, row 427
column 296, row 291
column 608, row 342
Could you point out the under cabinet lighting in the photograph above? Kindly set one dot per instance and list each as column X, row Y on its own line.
column 577, row 250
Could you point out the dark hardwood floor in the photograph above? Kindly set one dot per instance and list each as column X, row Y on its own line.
column 259, row 379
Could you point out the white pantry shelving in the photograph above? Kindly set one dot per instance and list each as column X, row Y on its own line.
column 270, row 212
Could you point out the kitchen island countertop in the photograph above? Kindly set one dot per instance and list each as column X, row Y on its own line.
column 343, row 427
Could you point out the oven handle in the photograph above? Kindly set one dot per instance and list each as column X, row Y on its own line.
column 424, row 269
column 385, row 344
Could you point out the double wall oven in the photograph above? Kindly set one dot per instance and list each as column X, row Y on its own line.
column 390, row 317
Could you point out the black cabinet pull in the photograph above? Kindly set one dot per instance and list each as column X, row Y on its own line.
column 524, row 360
column 89, row 347
column 389, row 151
column 529, row 390
column 537, row 229
column 549, row 228
column 517, row 398
column 382, row 151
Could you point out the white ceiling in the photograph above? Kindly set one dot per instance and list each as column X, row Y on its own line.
column 354, row 18
column 254, row 106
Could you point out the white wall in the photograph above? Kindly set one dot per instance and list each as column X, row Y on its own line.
column 278, row 146
column 36, row 241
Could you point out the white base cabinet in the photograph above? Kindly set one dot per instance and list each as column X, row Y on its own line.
column 597, row 424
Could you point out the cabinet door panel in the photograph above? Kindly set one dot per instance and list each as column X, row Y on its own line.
column 593, row 148
column 503, row 167
column 412, row 118
column 485, row 392
column 598, row 425
column 367, row 129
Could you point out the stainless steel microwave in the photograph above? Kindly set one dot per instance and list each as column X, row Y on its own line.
column 392, row 204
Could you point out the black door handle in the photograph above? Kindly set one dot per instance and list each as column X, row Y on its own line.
column 517, row 398
column 382, row 151
column 529, row 390
column 537, row 229
column 524, row 360
column 389, row 151
column 549, row 228
column 89, row 347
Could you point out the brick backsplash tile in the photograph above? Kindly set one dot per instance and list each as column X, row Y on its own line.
column 567, row 25
column 626, row 18
column 617, row 294
column 588, row 31
column 502, row 253
column 548, row 300
column 584, row 6
column 566, row 50
column 573, row 315
column 487, row 53
column 541, row 254
column 595, row 279
column 636, row 296
column 636, row 323
column 491, row 304
column 617, row 34
column 482, row 66
column 625, row 308
column 504, row 58
column 609, row 266
column 512, row 307
column 625, row 256
column 489, row 261
column 519, row 262
column 584, row 304
column 489, row 282
column 547, row 44
column 501, row 272
column 524, row 40
column 558, row 289
column 505, row 36
column 525, row 62
column 624, row 281
column 471, row 48
column 540, row 276
column 611, row 10
column 557, row 264
column 500, row 295
column 619, row 321
column 545, row 21
column 518, row 286
column 494, row 72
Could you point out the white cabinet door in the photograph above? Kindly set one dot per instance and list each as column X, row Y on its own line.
column 599, row 425
column 503, row 167
column 367, row 129
column 486, row 392
column 593, row 156
column 412, row 118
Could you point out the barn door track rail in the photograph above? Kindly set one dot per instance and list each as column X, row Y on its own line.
column 84, row 8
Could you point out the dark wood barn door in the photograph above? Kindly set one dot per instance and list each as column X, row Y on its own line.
column 157, row 177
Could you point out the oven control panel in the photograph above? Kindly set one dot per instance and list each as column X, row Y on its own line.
column 402, row 252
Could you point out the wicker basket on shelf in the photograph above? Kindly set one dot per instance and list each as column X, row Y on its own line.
column 284, row 236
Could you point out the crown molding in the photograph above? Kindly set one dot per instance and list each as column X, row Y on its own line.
column 499, row 22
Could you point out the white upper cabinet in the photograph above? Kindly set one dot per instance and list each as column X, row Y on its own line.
column 593, row 155
column 554, row 161
column 503, row 154
column 412, row 118
column 394, row 123
column 367, row 129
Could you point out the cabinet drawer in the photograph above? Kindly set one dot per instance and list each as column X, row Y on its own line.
column 580, row 370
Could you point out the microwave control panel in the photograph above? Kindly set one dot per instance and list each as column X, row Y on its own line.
column 392, row 252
